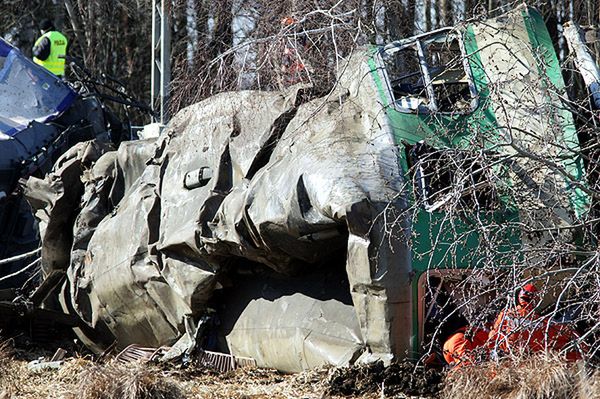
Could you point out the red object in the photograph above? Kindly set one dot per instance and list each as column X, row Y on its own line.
column 288, row 21
column 522, row 330
column 526, row 294
column 513, row 329
column 480, row 337
column 457, row 349
column 560, row 336
column 529, row 288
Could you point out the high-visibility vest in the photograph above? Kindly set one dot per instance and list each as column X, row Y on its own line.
column 58, row 47
column 518, row 328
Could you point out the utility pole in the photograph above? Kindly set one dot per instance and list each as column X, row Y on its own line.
column 161, row 60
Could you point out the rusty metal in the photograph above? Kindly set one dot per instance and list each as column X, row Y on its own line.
column 224, row 362
column 134, row 353
column 244, row 362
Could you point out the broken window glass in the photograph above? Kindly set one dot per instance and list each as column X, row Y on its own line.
column 449, row 177
column 407, row 82
column 430, row 74
column 28, row 92
column 448, row 76
column 431, row 180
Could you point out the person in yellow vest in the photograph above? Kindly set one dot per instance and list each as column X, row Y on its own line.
column 49, row 50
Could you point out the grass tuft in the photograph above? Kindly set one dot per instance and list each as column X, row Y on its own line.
column 131, row 381
column 536, row 377
column 8, row 371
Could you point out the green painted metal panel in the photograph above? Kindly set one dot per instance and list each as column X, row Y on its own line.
column 549, row 66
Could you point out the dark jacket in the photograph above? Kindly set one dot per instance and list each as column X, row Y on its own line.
column 42, row 50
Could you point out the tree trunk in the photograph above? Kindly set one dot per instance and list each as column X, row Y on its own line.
column 74, row 18
column 428, row 5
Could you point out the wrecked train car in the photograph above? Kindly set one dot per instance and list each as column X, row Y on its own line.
column 41, row 116
column 300, row 233
column 487, row 139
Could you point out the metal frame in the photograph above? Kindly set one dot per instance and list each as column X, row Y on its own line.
column 417, row 41
column 161, row 60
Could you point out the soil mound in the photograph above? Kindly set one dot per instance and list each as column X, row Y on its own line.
column 399, row 378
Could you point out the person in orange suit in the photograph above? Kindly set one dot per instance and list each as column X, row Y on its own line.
column 560, row 336
column 458, row 348
column 522, row 329
column 519, row 328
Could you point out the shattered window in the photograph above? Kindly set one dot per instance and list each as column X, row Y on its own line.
column 28, row 92
column 431, row 179
column 448, row 77
column 448, row 178
column 407, row 81
column 430, row 74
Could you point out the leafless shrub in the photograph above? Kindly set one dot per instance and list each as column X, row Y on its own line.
column 537, row 377
column 263, row 45
column 132, row 381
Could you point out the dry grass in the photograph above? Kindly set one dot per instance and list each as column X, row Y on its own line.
column 539, row 377
column 7, row 380
column 83, row 379
column 6, row 352
column 256, row 384
column 535, row 378
column 24, row 384
column 118, row 381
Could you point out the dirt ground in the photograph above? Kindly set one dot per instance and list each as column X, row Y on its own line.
column 539, row 377
column 80, row 377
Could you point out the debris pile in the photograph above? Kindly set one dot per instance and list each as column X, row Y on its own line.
column 83, row 378
column 399, row 378
column 226, row 205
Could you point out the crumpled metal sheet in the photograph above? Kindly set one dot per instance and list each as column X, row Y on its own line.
column 320, row 333
column 584, row 61
column 291, row 185
column 55, row 201
column 309, row 320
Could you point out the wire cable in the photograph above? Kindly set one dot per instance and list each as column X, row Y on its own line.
column 21, row 256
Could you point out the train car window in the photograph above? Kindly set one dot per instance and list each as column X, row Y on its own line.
column 449, row 177
column 430, row 74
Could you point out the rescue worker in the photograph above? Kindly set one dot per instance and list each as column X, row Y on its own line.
column 458, row 348
column 561, row 336
column 519, row 328
column 522, row 329
column 50, row 49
